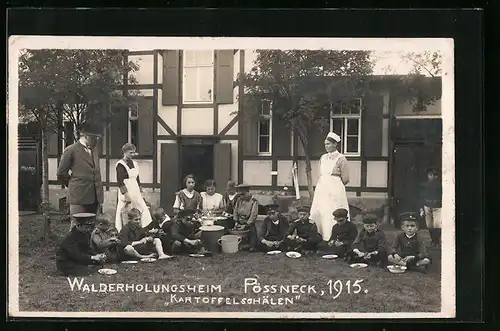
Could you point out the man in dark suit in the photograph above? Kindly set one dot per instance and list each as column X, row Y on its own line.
column 84, row 184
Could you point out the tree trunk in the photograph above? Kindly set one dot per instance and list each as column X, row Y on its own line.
column 304, row 143
column 310, row 187
column 45, row 204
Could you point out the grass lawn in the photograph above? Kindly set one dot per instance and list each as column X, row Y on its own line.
column 41, row 289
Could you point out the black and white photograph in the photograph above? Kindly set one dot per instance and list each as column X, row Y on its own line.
column 231, row 177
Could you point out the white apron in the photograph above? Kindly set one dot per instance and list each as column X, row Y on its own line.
column 329, row 196
column 136, row 198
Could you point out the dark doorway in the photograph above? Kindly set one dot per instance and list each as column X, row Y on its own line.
column 410, row 163
column 197, row 160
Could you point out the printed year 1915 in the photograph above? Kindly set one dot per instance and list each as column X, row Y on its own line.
column 337, row 287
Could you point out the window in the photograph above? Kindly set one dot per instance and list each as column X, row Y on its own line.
column 265, row 128
column 198, row 76
column 346, row 122
column 133, row 132
column 69, row 130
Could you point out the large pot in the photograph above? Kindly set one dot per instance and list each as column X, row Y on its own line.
column 210, row 235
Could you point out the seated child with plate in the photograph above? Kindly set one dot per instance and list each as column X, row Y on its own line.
column 274, row 230
column 186, row 234
column 137, row 242
column 409, row 249
column 303, row 234
column 343, row 234
column 161, row 227
column 370, row 245
column 104, row 239
column 74, row 257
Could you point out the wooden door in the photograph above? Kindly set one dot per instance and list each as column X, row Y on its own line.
column 169, row 176
column 410, row 163
column 222, row 165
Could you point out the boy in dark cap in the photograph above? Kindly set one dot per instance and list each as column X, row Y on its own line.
column 343, row 234
column 186, row 234
column 104, row 239
column 431, row 195
column 274, row 230
column 370, row 244
column 245, row 214
column 303, row 234
column 137, row 242
column 409, row 248
column 74, row 255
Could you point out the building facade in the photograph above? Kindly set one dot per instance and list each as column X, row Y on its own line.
column 189, row 120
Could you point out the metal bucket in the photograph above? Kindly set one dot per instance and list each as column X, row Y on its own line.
column 230, row 244
column 242, row 234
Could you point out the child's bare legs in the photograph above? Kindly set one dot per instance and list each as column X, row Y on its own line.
column 159, row 249
column 130, row 251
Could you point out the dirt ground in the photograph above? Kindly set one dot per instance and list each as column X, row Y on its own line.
column 41, row 289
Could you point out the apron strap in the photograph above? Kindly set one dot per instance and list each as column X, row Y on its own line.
column 123, row 163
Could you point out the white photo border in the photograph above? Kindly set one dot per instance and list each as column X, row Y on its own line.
column 445, row 45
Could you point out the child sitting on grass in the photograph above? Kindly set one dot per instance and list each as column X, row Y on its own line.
column 74, row 255
column 186, row 234
column 104, row 239
column 161, row 227
column 409, row 249
column 274, row 230
column 370, row 244
column 136, row 242
column 343, row 234
column 303, row 234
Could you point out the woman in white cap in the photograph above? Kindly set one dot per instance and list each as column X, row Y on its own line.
column 330, row 193
column 129, row 191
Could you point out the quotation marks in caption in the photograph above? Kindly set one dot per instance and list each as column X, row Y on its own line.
column 270, row 294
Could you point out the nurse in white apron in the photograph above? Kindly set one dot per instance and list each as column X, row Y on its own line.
column 330, row 193
column 129, row 192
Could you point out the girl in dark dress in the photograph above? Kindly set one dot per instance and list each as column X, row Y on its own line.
column 188, row 198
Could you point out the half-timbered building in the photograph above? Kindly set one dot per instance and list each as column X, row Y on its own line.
column 187, row 121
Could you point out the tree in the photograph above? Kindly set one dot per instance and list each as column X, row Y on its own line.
column 303, row 85
column 72, row 84
column 417, row 83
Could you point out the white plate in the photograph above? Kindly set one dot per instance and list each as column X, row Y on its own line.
column 107, row 271
column 330, row 256
column 359, row 265
column 396, row 269
column 293, row 255
column 148, row 259
column 273, row 252
column 130, row 262
column 197, row 255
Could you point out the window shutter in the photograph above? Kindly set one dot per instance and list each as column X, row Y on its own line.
column 169, row 176
column 281, row 137
column 119, row 130
column 170, row 89
column 145, row 140
column 371, row 132
column 222, row 164
column 52, row 143
column 250, row 134
column 224, row 61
